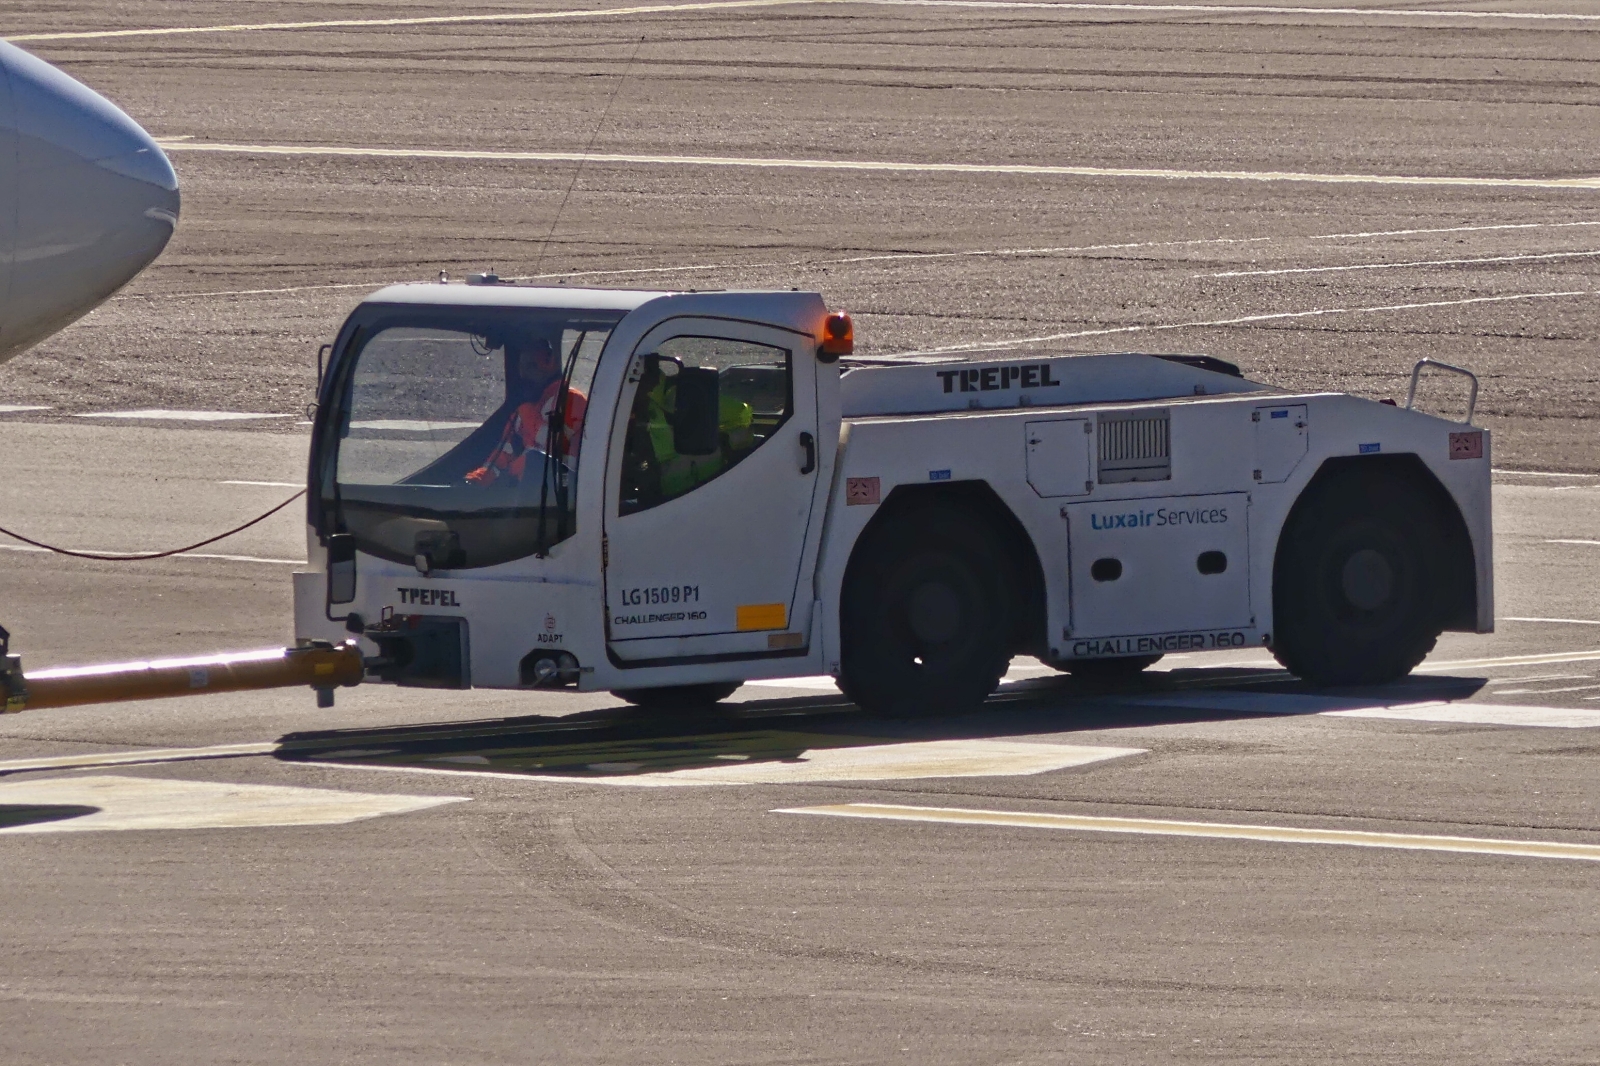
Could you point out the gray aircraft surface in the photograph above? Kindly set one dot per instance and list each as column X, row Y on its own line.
column 87, row 200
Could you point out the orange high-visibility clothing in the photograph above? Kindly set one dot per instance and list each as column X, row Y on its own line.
column 528, row 428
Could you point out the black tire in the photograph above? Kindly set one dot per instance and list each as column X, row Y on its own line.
column 926, row 615
column 1121, row 668
column 1358, row 581
column 678, row 697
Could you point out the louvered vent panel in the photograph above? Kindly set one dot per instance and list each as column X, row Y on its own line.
column 1135, row 447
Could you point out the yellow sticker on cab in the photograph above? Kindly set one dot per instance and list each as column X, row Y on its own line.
column 762, row 616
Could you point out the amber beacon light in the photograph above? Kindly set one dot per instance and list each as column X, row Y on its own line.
column 838, row 337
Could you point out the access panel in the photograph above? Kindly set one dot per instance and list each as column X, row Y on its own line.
column 1059, row 456
column 1280, row 441
column 1166, row 565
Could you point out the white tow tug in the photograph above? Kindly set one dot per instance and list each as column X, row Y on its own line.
column 667, row 494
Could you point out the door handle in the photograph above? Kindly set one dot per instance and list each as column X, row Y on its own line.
column 809, row 443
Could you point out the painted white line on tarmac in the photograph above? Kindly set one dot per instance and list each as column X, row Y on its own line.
column 889, row 257
column 251, row 292
column 411, row 425
column 1570, row 541
column 1528, row 849
column 18, row 408
column 162, row 415
column 1544, row 691
column 1562, row 621
column 1266, row 703
column 155, row 803
column 132, row 758
column 820, row 683
column 1017, row 169
column 1397, row 266
column 418, row 20
column 1024, row 668
column 1478, row 714
column 181, row 555
column 1529, row 679
column 1033, row 669
column 1286, row 703
column 1240, row 9
column 1068, row 7
column 1011, row 342
column 870, row 762
column 1538, row 473
column 1452, row 229
column 268, row 484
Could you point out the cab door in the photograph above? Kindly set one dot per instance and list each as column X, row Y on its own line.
column 710, row 553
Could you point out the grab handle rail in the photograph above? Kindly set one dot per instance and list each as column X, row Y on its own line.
column 1416, row 376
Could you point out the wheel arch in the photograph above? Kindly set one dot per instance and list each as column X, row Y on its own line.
column 977, row 499
column 1459, row 571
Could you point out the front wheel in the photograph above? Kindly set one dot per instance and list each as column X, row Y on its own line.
column 926, row 615
column 678, row 697
column 1356, row 585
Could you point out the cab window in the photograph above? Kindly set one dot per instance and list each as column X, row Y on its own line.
column 456, row 431
column 752, row 389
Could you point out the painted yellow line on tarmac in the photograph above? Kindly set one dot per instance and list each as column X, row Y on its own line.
column 1022, row 169
column 1529, row 849
column 1067, row 7
column 1510, row 660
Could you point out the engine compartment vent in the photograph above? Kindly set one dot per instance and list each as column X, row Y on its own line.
column 1135, row 447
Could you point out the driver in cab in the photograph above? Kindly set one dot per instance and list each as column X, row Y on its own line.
column 537, row 388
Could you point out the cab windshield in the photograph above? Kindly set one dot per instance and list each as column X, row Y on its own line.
column 455, row 433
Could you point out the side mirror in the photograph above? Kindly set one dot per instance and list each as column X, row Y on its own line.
column 696, row 424
column 656, row 366
column 341, row 568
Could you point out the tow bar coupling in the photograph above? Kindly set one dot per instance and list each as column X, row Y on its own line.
column 13, row 691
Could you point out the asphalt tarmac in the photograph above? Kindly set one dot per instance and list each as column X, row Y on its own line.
column 1305, row 283
column 509, row 877
column 515, row 877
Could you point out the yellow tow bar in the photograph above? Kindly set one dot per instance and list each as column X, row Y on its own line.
column 323, row 667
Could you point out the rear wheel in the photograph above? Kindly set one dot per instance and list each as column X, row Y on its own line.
column 926, row 616
column 678, row 697
column 1357, row 582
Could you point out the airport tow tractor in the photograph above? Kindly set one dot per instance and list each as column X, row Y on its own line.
column 664, row 495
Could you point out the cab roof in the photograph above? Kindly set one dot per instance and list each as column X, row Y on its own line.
column 504, row 295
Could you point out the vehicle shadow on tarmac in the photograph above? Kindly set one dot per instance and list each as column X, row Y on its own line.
column 625, row 741
column 15, row 815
